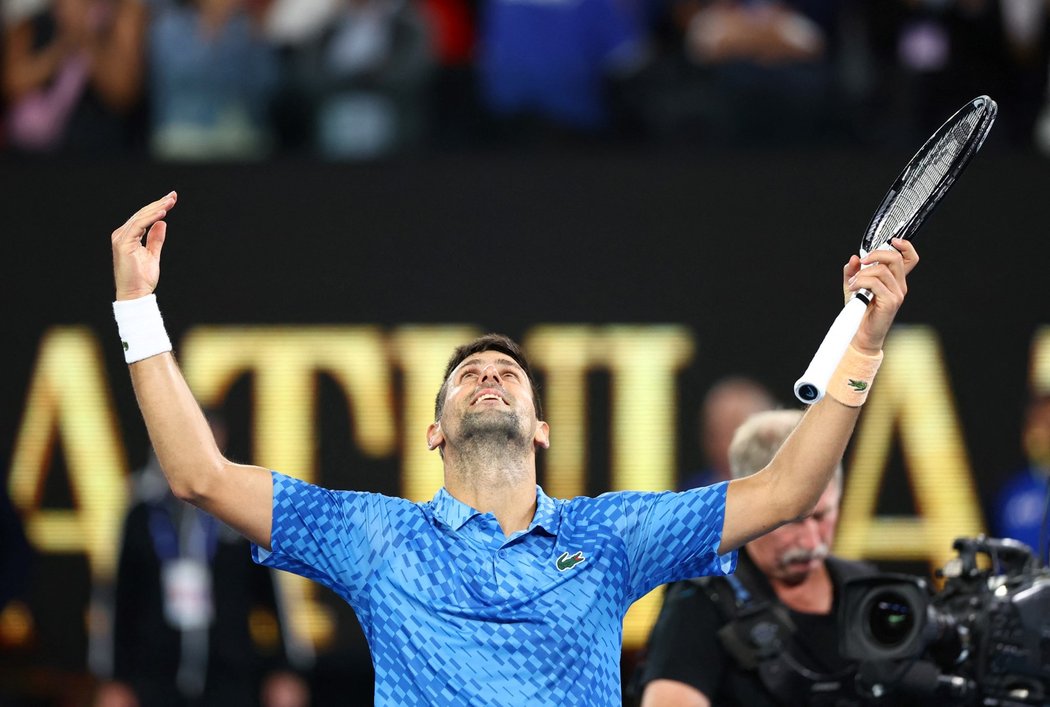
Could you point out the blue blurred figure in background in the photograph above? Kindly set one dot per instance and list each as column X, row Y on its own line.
column 555, row 61
column 1022, row 501
column 728, row 403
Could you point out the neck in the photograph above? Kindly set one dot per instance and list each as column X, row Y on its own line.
column 494, row 482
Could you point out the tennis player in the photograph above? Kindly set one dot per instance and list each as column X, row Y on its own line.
column 492, row 593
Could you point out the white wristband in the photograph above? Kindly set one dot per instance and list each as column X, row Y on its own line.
column 141, row 328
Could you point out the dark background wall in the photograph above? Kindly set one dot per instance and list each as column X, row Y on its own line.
column 745, row 250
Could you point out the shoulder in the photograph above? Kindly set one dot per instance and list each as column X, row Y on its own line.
column 610, row 507
column 631, row 501
column 289, row 490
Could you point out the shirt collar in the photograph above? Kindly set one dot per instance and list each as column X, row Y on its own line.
column 455, row 514
column 547, row 516
column 451, row 511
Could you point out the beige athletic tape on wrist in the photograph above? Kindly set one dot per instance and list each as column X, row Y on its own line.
column 851, row 382
column 141, row 328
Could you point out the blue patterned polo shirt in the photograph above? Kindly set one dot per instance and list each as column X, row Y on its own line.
column 458, row 614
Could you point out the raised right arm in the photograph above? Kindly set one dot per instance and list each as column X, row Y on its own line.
column 239, row 495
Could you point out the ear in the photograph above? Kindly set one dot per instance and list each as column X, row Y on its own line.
column 542, row 438
column 435, row 437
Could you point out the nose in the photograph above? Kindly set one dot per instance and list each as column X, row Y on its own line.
column 491, row 373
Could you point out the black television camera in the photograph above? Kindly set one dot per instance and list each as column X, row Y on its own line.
column 983, row 640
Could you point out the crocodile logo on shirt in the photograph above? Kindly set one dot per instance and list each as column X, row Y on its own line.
column 567, row 562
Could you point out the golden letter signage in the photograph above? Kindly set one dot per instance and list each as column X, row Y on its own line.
column 69, row 407
column 911, row 401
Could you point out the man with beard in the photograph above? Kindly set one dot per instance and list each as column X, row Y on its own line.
column 493, row 592
column 786, row 583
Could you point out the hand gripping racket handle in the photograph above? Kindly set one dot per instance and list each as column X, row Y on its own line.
column 811, row 386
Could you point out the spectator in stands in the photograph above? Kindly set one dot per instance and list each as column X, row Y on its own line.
column 291, row 26
column 935, row 56
column 766, row 69
column 72, row 76
column 366, row 78
column 195, row 622
column 454, row 109
column 290, row 23
column 727, row 404
column 212, row 79
column 1022, row 500
column 1025, row 23
column 559, row 62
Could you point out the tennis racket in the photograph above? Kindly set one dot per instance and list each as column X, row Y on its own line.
column 913, row 196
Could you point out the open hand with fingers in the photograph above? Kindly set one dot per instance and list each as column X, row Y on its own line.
column 136, row 262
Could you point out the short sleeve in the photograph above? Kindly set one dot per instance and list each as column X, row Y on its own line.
column 675, row 535
column 331, row 537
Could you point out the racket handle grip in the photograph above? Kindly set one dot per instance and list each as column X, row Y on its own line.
column 811, row 386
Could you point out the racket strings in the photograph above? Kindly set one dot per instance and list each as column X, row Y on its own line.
column 926, row 176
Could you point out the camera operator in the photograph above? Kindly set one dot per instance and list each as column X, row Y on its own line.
column 767, row 635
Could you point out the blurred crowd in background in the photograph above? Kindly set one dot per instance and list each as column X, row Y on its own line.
column 194, row 80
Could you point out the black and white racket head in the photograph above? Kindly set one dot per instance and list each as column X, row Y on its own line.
column 918, row 189
column 930, row 174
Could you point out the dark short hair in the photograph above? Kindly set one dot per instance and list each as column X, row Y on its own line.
column 488, row 342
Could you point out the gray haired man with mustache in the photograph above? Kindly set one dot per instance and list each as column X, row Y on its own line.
column 775, row 621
